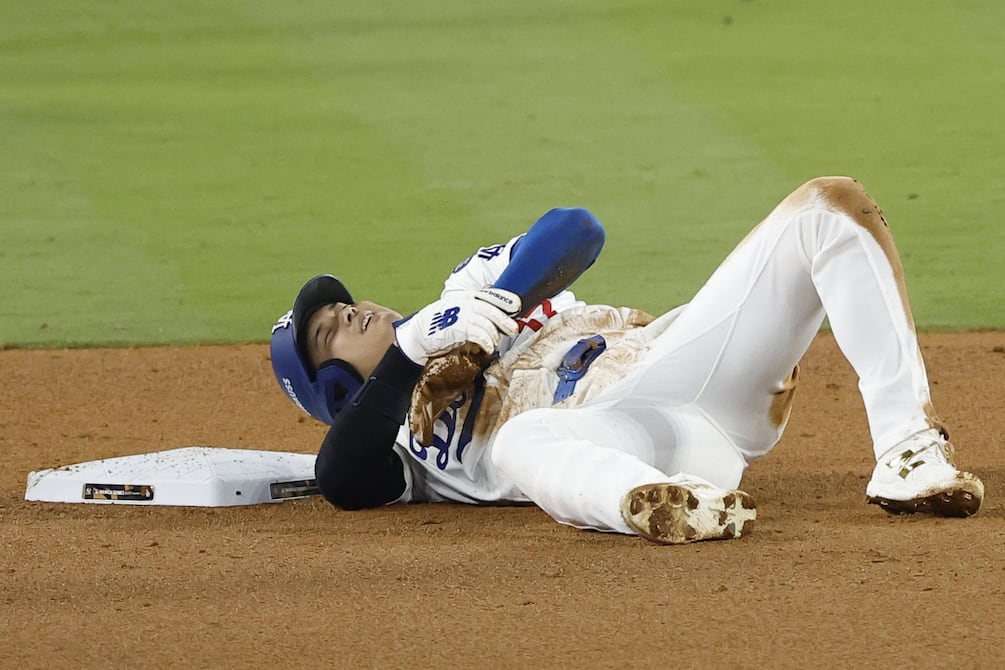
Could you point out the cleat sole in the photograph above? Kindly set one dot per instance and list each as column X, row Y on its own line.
column 677, row 514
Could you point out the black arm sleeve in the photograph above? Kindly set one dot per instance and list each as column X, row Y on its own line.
column 356, row 466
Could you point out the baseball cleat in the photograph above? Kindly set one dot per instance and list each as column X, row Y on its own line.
column 691, row 511
column 919, row 476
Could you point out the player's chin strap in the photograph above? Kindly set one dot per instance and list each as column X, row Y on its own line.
column 575, row 363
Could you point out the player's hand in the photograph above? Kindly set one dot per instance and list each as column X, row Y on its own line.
column 449, row 322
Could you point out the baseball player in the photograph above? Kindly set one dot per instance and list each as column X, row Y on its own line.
column 508, row 389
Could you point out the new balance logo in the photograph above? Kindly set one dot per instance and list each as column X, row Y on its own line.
column 906, row 466
column 444, row 319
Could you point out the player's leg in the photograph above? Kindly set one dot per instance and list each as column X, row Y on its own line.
column 604, row 469
column 733, row 351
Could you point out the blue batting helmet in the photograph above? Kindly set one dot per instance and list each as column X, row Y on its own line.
column 322, row 392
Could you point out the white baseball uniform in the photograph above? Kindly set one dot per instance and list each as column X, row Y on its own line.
column 704, row 389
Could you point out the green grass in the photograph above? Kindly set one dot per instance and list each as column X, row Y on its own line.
column 173, row 171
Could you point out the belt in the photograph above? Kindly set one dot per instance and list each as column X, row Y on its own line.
column 575, row 363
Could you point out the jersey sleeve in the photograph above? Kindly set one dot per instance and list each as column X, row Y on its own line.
column 555, row 251
column 481, row 268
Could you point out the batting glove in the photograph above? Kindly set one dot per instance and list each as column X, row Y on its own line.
column 449, row 322
column 507, row 301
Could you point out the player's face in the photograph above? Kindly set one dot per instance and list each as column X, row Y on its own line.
column 359, row 334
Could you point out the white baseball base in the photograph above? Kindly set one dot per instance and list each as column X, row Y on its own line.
column 189, row 476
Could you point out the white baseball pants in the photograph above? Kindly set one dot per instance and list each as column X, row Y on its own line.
column 714, row 392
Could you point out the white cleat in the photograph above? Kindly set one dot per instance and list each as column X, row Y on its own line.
column 689, row 510
column 919, row 476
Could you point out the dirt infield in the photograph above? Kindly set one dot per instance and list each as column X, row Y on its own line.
column 824, row 581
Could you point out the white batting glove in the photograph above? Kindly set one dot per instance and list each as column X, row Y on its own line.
column 507, row 301
column 449, row 322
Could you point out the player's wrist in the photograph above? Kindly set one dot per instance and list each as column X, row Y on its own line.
column 503, row 300
column 408, row 337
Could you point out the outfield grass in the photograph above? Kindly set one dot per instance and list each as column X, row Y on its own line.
column 173, row 171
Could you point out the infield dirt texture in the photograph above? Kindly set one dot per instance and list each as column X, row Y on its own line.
column 173, row 171
column 825, row 581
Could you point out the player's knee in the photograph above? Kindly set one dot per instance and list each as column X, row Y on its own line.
column 841, row 192
column 847, row 196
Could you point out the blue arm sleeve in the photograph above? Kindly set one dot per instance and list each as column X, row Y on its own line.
column 554, row 253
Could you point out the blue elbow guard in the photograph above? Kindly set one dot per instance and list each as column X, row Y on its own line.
column 554, row 253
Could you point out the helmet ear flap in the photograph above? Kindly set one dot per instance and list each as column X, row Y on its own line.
column 338, row 382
